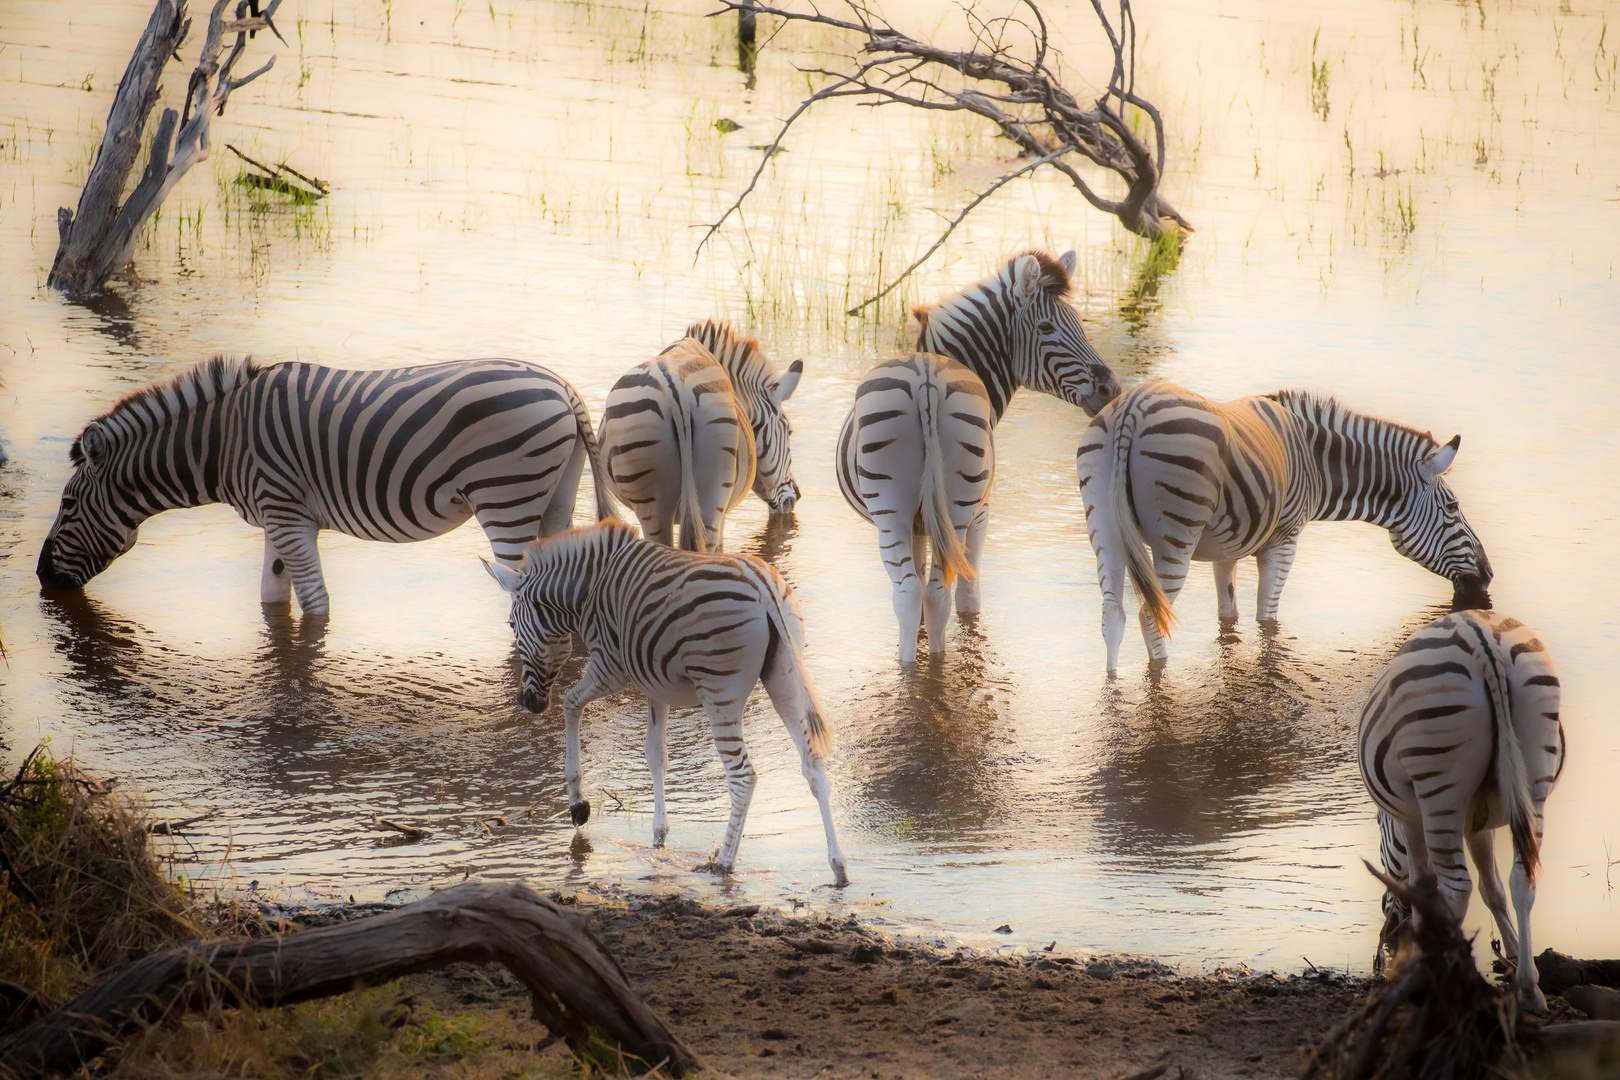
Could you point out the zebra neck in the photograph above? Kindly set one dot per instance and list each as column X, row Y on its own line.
column 974, row 331
column 1360, row 478
column 176, row 462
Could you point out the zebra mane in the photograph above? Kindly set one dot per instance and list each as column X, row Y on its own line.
column 1326, row 410
column 201, row 383
column 742, row 357
column 576, row 545
column 1054, row 279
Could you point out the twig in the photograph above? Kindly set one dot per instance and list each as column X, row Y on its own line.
column 966, row 210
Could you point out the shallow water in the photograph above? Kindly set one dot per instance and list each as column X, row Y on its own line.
column 1431, row 240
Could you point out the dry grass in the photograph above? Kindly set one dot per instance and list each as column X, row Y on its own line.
column 85, row 888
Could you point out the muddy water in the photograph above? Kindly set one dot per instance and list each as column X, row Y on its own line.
column 1413, row 207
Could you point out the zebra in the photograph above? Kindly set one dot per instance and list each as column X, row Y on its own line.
column 1462, row 736
column 1014, row 328
column 916, row 457
column 684, row 628
column 396, row 454
column 686, row 434
column 1220, row 481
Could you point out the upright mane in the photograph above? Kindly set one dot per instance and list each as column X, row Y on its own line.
column 575, row 544
column 1054, row 279
column 1326, row 410
column 741, row 356
column 195, row 386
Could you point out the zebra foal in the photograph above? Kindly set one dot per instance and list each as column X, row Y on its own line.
column 397, row 454
column 916, row 457
column 1460, row 737
column 1193, row 479
column 686, row 434
column 683, row 628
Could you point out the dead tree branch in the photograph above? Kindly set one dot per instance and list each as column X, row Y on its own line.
column 579, row 991
column 1008, row 78
column 98, row 241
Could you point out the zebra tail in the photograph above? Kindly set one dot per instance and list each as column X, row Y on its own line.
column 1128, row 536
column 692, row 534
column 605, row 510
column 790, row 652
column 949, row 552
column 1512, row 776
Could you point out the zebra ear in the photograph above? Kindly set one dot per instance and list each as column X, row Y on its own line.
column 783, row 388
column 1026, row 278
column 507, row 578
column 1438, row 460
column 89, row 448
column 1069, row 261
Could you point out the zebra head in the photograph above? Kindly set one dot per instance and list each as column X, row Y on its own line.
column 543, row 630
column 96, row 521
column 762, row 393
column 1428, row 526
column 1050, row 352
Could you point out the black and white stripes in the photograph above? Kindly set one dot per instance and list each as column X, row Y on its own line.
column 684, row 629
column 399, row 454
column 1461, row 736
column 1192, row 479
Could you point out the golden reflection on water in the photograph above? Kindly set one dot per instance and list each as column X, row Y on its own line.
column 1425, row 230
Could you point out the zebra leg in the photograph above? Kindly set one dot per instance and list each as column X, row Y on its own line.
column 1172, row 574
column 657, row 757
column 936, row 607
column 1483, row 852
column 1274, row 563
column 898, row 550
column 790, row 696
column 275, row 584
column 591, row 686
column 725, row 723
column 302, row 558
column 1226, row 589
column 967, row 589
column 1526, row 979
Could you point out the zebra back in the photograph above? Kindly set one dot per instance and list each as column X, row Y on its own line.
column 762, row 393
column 1016, row 328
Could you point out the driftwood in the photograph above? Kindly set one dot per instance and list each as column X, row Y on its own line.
column 98, row 241
column 579, row 991
column 1010, row 79
column 1559, row 972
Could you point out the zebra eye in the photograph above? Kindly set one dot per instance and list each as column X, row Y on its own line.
column 1045, row 327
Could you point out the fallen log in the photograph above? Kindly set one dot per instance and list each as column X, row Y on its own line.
column 1559, row 972
column 579, row 991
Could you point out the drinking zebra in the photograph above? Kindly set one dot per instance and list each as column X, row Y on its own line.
column 1460, row 737
column 685, row 434
column 397, row 454
column 916, row 458
column 1014, row 328
column 1220, row 481
column 683, row 628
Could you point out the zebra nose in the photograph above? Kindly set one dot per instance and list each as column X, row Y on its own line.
column 49, row 576
column 1484, row 563
column 534, row 700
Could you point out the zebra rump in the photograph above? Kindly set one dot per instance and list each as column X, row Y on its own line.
column 396, row 454
column 916, row 458
column 1460, row 736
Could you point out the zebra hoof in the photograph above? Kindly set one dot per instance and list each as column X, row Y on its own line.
column 580, row 812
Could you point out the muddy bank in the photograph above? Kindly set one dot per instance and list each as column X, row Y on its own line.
column 758, row 992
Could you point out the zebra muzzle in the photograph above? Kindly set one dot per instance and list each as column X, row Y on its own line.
column 49, row 576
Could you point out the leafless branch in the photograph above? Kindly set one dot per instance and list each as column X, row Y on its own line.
column 1013, row 86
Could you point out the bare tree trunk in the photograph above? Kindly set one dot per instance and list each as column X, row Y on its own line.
column 98, row 241
column 579, row 990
